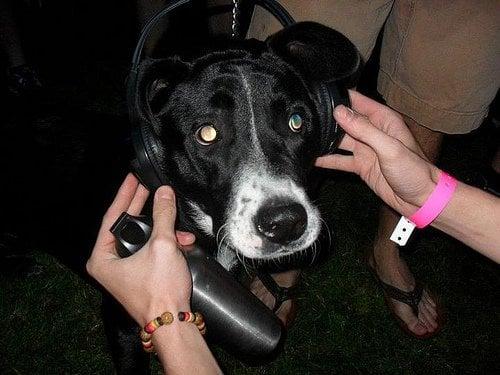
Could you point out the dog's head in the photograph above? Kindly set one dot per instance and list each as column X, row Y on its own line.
column 240, row 130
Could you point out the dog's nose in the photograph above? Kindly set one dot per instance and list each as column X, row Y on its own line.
column 281, row 221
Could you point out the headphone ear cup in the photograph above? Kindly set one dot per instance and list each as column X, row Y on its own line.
column 145, row 166
column 330, row 95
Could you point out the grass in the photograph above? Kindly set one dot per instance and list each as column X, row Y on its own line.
column 51, row 324
column 50, row 320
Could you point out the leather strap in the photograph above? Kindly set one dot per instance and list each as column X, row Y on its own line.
column 280, row 293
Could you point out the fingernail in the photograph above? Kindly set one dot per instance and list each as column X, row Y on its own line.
column 164, row 192
column 342, row 112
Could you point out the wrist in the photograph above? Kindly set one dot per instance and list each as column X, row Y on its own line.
column 160, row 307
column 429, row 185
column 436, row 202
column 450, row 212
column 410, row 203
column 429, row 211
column 176, row 330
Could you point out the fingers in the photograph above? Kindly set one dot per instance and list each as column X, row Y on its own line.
column 360, row 128
column 378, row 113
column 185, row 238
column 364, row 104
column 347, row 143
column 123, row 198
column 140, row 198
column 344, row 163
column 164, row 212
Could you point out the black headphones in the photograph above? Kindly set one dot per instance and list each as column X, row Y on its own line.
column 146, row 165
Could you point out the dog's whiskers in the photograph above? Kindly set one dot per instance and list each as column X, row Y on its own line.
column 221, row 229
column 242, row 261
column 220, row 244
column 328, row 231
column 314, row 248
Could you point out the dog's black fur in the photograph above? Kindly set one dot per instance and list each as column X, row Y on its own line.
column 248, row 92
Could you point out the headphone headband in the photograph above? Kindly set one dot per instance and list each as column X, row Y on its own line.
column 147, row 147
column 272, row 6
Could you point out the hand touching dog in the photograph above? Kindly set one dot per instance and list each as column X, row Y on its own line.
column 384, row 154
column 387, row 157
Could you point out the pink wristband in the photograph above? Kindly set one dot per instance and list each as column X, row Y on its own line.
column 436, row 202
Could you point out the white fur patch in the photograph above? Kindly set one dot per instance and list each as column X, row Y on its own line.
column 253, row 128
column 227, row 257
column 252, row 187
column 202, row 220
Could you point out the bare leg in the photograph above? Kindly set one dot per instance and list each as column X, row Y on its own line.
column 287, row 312
column 389, row 266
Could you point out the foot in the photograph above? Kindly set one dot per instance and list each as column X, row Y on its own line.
column 393, row 270
column 288, row 310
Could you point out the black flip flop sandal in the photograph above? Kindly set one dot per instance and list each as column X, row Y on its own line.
column 281, row 294
column 411, row 299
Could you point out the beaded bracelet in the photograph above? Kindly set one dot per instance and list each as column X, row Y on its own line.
column 196, row 318
column 165, row 319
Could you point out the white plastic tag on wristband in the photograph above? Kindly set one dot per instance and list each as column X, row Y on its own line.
column 403, row 231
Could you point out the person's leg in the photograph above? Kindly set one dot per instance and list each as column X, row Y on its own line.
column 442, row 82
column 288, row 311
column 389, row 266
column 361, row 22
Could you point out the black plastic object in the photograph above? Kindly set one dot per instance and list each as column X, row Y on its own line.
column 236, row 320
column 131, row 233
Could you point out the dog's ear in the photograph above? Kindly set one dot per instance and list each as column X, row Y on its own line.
column 319, row 52
column 156, row 80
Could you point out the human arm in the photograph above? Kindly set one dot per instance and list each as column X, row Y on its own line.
column 153, row 280
column 473, row 217
column 387, row 157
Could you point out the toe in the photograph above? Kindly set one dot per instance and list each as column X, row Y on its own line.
column 405, row 313
column 430, row 310
column 417, row 327
column 428, row 299
column 425, row 312
column 426, row 320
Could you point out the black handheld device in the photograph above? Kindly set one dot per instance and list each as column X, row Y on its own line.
column 236, row 320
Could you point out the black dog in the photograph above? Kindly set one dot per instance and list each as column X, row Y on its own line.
column 240, row 129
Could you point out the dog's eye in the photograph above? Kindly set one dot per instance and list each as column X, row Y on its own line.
column 295, row 123
column 206, row 134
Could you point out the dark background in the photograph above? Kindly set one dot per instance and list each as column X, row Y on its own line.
column 65, row 150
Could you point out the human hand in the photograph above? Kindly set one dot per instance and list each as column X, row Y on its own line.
column 154, row 279
column 384, row 154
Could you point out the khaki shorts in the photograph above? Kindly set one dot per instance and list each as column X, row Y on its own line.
column 440, row 60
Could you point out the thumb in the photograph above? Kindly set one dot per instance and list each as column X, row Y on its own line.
column 164, row 212
column 360, row 128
